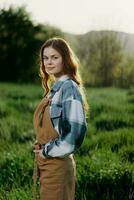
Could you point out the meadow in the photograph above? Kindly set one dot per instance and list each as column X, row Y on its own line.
column 105, row 161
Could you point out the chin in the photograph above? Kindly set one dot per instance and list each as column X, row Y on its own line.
column 50, row 73
column 56, row 74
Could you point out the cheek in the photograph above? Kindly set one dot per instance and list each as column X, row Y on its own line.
column 44, row 62
column 59, row 63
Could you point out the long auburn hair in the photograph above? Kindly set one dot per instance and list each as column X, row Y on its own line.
column 70, row 63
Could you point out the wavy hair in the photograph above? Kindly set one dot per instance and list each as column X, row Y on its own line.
column 70, row 63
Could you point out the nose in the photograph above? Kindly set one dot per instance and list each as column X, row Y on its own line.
column 49, row 61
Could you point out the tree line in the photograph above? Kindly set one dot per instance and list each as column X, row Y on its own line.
column 103, row 60
column 20, row 42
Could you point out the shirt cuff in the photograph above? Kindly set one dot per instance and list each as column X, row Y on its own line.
column 44, row 151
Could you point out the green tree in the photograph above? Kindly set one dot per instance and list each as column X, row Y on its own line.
column 125, row 72
column 20, row 42
column 105, row 56
column 100, row 53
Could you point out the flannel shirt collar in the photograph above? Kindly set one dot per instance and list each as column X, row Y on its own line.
column 59, row 83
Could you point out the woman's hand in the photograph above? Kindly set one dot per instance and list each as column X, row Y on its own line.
column 39, row 152
column 37, row 149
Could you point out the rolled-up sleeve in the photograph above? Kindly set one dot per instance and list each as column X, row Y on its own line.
column 73, row 125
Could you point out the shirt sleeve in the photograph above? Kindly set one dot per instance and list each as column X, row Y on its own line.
column 73, row 125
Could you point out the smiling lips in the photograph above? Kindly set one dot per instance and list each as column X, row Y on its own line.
column 50, row 68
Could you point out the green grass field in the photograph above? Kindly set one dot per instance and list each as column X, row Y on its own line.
column 105, row 161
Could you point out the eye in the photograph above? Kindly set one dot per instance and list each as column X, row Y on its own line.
column 45, row 58
column 55, row 57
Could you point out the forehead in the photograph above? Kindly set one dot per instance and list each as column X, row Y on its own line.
column 50, row 51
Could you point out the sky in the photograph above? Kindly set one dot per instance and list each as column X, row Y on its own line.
column 80, row 16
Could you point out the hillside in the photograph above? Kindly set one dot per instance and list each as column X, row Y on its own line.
column 126, row 39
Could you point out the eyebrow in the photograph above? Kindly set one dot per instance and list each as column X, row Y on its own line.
column 51, row 55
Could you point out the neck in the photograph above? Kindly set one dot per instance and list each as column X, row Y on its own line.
column 58, row 76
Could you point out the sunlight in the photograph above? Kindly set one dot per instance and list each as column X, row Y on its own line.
column 80, row 16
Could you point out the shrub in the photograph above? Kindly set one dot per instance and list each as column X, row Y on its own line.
column 108, row 140
column 16, row 170
column 127, row 154
column 3, row 111
column 17, row 193
column 130, row 91
column 13, row 129
column 130, row 94
column 113, row 121
column 102, row 177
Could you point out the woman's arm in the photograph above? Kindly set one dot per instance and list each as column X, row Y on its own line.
column 73, row 125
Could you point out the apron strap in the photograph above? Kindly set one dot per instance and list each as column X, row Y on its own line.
column 35, row 172
column 46, row 102
column 35, row 176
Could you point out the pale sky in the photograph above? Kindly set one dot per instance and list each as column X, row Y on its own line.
column 80, row 16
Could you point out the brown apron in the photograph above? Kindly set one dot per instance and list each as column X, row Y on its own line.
column 57, row 175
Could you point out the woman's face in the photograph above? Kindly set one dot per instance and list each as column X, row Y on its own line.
column 53, row 62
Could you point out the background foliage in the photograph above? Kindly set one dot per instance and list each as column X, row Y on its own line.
column 103, row 56
column 105, row 162
column 21, row 41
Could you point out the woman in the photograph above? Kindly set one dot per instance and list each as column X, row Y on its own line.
column 59, row 121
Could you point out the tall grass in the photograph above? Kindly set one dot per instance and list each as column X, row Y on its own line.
column 105, row 161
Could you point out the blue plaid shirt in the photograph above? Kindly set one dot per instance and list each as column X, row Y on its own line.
column 68, row 118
